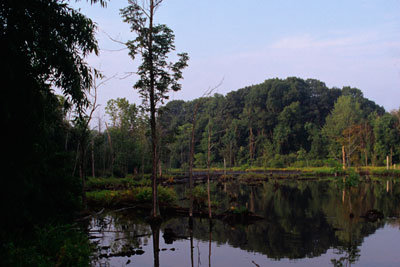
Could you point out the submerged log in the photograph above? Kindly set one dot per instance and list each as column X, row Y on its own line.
column 233, row 217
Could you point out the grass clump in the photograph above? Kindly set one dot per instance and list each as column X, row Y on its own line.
column 200, row 196
column 112, row 183
column 136, row 195
column 249, row 177
column 352, row 179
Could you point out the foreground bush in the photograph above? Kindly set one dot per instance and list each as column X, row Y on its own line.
column 48, row 246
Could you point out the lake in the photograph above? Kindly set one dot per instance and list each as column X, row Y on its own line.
column 316, row 222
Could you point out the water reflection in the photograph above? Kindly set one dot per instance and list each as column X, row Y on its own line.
column 306, row 222
column 155, row 229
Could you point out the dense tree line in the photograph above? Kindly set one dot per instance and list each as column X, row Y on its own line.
column 283, row 122
column 278, row 123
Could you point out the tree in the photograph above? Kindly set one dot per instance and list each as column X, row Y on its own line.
column 156, row 76
column 126, row 135
column 342, row 126
column 387, row 137
column 44, row 44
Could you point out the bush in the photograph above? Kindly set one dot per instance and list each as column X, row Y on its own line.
column 277, row 162
column 109, row 198
column 50, row 246
column 333, row 163
column 143, row 194
column 353, row 178
column 166, row 195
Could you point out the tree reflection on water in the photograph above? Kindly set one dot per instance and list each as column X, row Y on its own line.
column 302, row 220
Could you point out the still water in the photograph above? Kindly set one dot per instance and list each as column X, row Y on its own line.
column 305, row 223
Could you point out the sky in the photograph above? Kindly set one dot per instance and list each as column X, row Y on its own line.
column 342, row 43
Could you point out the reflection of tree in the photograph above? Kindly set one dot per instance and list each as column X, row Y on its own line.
column 303, row 218
column 352, row 254
column 351, row 251
column 121, row 233
column 155, row 229
column 209, row 243
column 191, row 239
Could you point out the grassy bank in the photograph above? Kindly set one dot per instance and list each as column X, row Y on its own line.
column 132, row 196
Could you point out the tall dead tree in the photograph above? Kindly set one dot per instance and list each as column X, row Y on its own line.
column 207, row 93
column 157, row 77
column 82, row 123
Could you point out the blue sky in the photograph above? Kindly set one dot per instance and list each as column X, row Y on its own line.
column 342, row 43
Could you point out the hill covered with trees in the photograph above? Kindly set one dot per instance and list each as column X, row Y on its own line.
column 278, row 123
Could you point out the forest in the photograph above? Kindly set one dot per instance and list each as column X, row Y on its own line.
column 54, row 143
column 279, row 123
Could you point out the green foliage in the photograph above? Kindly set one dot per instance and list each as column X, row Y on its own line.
column 249, row 177
column 239, row 210
column 166, row 195
column 337, row 168
column 345, row 115
column 200, row 193
column 278, row 123
column 200, row 160
column 62, row 245
column 45, row 45
column 199, row 196
column 135, row 195
column 143, row 194
column 352, row 179
column 382, row 171
column 97, row 183
column 387, row 138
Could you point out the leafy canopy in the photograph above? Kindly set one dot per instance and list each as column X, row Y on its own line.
column 153, row 43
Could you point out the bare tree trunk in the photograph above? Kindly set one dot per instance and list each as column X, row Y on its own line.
column 192, row 143
column 159, row 168
column 348, row 150
column 111, row 149
column 344, row 158
column 224, row 166
column 76, row 159
column 104, row 160
column 142, row 165
column 82, row 173
column 387, row 162
column 230, row 153
column 208, row 171
column 153, row 126
column 343, row 195
column 93, row 171
column 251, row 145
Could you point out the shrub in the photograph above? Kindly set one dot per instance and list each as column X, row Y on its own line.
column 61, row 245
column 353, row 178
column 166, row 195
